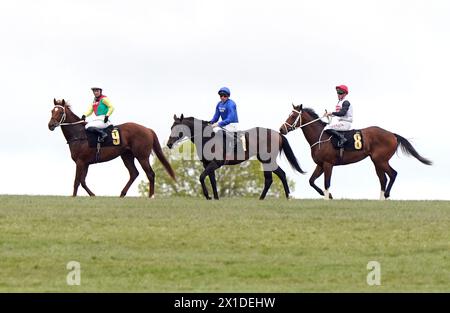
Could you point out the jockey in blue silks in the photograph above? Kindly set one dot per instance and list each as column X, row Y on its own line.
column 226, row 109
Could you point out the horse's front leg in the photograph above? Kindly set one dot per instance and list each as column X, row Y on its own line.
column 209, row 169
column 212, row 179
column 80, row 177
column 316, row 174
column 327, row 169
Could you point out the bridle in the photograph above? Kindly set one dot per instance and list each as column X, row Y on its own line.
column 63, row 118
column 181, row 139
column 298, row 121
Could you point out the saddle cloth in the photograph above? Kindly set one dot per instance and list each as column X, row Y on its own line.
column 113, row 139
column 354, row 142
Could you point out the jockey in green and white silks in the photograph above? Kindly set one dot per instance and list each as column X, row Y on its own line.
column 102, row 108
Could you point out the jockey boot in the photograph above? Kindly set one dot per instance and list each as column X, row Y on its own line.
column 341, row 138
column 102, row 135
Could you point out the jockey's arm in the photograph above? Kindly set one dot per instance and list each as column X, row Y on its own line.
column 109, row 105
column 343, row 110
column 89, row 111
column 231, row 115
column 216, row 116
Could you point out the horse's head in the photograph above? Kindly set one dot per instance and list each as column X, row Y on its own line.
column 58, row 114
column 294, row 119
column 178, row 130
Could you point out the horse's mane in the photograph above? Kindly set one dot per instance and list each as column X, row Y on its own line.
column 193, row 119
column 313, row 114
column 67, row 103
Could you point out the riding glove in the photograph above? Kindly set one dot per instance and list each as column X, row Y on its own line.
column 83, row 117
column 106, row 118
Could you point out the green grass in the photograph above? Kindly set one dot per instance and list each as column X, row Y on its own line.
column 231, row 245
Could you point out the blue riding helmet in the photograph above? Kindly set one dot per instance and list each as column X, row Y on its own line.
column 224, row 90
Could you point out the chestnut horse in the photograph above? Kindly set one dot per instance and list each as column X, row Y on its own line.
column 136, row 140
column 376, row 142
column 263, row 143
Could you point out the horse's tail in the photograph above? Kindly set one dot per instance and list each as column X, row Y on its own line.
column 408, row 149
column 286, row 148
column 159, row 153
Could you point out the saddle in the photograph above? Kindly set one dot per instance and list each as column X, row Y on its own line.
column 354, row 141
column 233, row 142
column 112, row 140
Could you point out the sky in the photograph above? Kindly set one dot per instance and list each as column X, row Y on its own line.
column 155, row 59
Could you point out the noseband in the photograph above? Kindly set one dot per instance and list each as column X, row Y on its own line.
column 293, row 125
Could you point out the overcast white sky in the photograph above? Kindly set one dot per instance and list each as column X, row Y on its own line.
column 158, row 58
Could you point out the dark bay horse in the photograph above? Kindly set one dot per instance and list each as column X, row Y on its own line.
column 136, row 142
column 263, row 143
column 375, row 142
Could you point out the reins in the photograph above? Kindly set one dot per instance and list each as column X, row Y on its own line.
column 63, row 118
column 300, row 125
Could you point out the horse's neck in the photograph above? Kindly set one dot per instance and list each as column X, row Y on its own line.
column 312, row 131
column 75, row 131
column 199, row 140
column 71, row 117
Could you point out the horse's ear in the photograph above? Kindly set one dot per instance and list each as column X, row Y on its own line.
column 63, row 102
column 301, row 107
column 181, row 117
column 54, row 101
column 293, row 105
column 175, row 117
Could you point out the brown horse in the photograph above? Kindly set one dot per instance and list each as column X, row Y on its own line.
column 373, row 141
column 136, row 142
column 213, row 150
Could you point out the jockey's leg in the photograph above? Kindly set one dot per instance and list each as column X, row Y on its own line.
column 341, row 137
column 102, row 134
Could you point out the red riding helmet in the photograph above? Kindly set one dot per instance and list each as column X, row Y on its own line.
column 343, row 88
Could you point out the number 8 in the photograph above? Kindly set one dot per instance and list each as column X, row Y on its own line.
column 358, row 142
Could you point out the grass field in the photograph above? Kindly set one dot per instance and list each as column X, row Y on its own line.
column 231, row 245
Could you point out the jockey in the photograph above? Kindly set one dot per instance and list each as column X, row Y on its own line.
column 344, row 114
column 102, row 108
column 226, row 109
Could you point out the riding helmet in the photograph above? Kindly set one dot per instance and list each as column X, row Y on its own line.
column 343, row 88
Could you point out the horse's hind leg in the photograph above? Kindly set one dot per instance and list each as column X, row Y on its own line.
column 392, row 176
column 145, row 163
column 316, row 174
column 383, row 180
column 282, row 176
column 128, row 160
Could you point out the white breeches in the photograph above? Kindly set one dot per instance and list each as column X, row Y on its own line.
column 97, row 122
column 339, row 125
column 232, row 127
